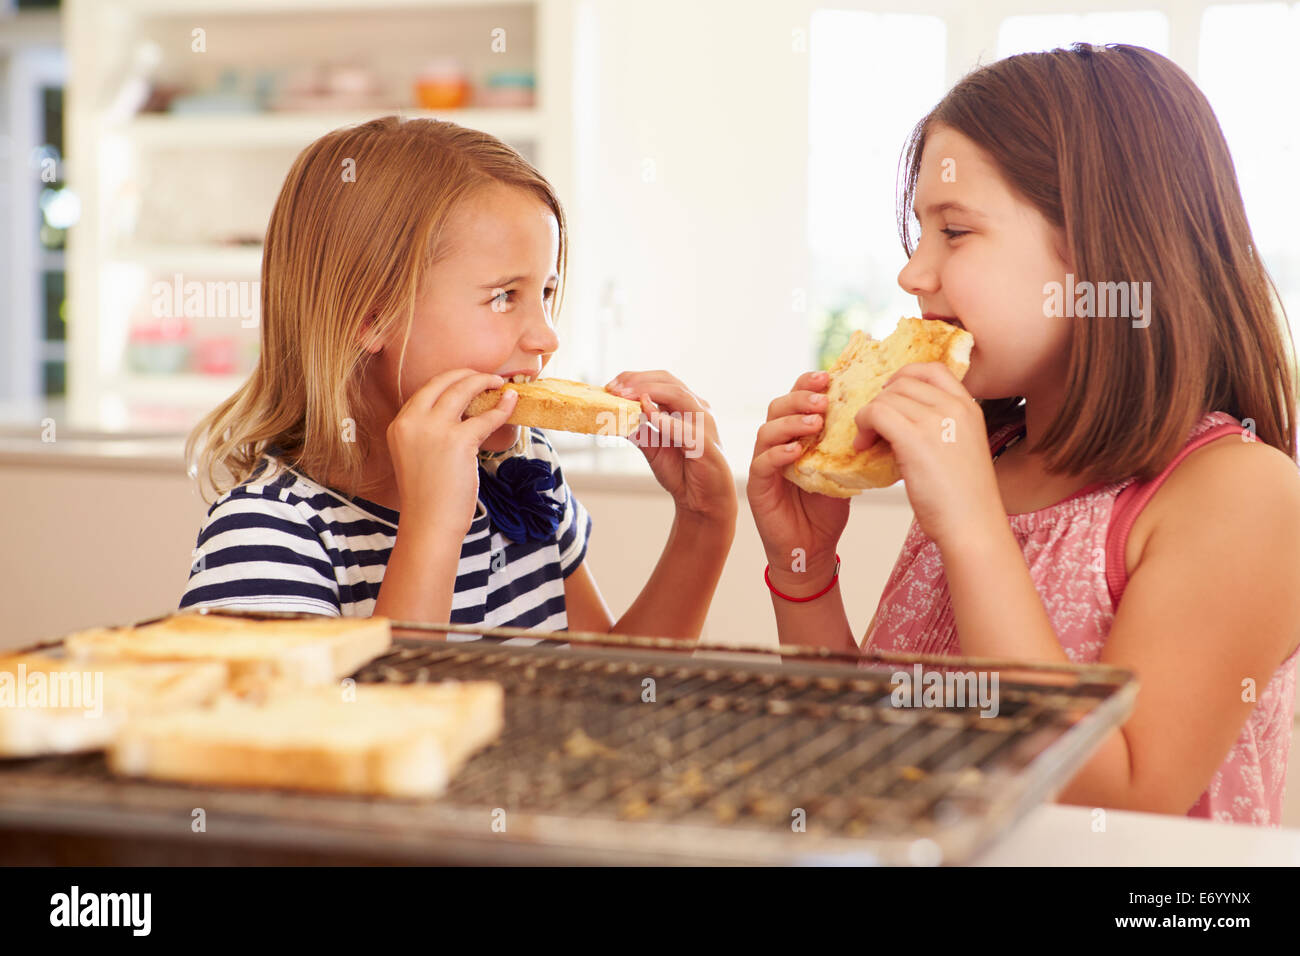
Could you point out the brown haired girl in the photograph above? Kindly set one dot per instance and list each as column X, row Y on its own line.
column 390, row 298
column 1120, row 489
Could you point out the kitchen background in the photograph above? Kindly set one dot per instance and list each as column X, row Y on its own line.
column 727, row 168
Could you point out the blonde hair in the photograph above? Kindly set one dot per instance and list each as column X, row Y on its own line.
column 340, row 250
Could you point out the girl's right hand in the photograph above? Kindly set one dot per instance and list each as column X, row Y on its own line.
column 435, row 453
column 787, row 517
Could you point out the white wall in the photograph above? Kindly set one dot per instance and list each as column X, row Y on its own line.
column 691, row 204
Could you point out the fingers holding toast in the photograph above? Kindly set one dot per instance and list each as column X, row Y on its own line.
column 679, row 437
column 922, row 392
column 788, row 428
column 793, row 421
column 632, row 384
column 451, row 391
column 682, row 418
column 798, row 402
column 847, row 456
column 482, row 425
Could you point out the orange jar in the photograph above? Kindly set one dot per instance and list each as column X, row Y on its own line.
column 442, row 85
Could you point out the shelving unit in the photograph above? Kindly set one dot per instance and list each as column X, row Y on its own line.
column 167, row 194
column 235, row 261
column 155, row 130
column 185, row 388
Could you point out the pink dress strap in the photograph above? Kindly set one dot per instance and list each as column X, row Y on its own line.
column 1130, row 502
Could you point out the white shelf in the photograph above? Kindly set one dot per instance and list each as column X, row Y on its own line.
column 184, row 389
column 193, row 259
column 192, row 130
column 168, row 7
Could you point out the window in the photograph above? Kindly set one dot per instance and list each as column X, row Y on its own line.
column 37, row 211
column 1025, row 34
column 59, row 210
column 872, row 78
column 1247, row 74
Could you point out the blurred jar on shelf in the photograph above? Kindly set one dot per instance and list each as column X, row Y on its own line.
column 340, row 87
column 160, row 347
column 443, row 84
column 217, row 355
column 507, row 89
column 237, row 91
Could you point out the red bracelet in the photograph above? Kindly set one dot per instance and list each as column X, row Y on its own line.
column 835, row 577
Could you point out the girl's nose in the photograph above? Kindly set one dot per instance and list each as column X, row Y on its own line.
column 540, row 335
column 918, row 277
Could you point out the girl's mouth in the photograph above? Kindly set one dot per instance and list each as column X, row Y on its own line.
column 519, row 377
column 950, row 319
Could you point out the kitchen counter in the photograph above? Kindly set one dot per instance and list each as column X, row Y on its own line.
column 1050, row 835
column 1059, row 835
column 614, row 466
column 589, row 469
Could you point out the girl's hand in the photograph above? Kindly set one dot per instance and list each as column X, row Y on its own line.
column 940, row 442
column 680, row 441
column 794, row 523
column 435, row 453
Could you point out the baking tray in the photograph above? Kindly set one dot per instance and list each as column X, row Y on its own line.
column 641, row 750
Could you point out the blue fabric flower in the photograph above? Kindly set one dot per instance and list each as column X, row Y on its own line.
column 516, row 501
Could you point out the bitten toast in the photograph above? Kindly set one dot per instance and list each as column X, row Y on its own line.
column 829, row 465
column 564, row 406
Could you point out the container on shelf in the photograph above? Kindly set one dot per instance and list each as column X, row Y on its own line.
column 159, row 348
column 232, row 95
column 442, row 85
column 217, row 355
column 507, row 89
column 345, row 87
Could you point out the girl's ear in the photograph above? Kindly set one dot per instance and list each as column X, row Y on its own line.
column 1062, row 249
column 370, row 341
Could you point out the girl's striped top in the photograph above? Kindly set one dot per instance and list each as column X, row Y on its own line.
column 287, row 543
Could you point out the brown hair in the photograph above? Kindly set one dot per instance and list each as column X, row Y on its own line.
column 1117, row 147
column 339, row 250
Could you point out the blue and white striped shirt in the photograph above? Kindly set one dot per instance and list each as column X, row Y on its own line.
column 291, row 544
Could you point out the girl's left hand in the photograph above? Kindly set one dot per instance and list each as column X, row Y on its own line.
column 940, row 442
column 680, row 441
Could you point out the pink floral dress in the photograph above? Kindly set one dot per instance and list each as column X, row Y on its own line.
column 1075, row 553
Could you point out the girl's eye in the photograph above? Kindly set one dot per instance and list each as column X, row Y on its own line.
column 954, row 233
column 501, row 299
column 549, row 292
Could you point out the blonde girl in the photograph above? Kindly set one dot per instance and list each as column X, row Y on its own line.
column 408, row 266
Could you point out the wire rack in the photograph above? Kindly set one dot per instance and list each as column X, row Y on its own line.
column 640, row 750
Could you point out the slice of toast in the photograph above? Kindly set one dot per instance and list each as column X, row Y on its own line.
column 56, row 705
column 565, row 406
column 316, row 650
column 829, row 465
column 401, row 740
